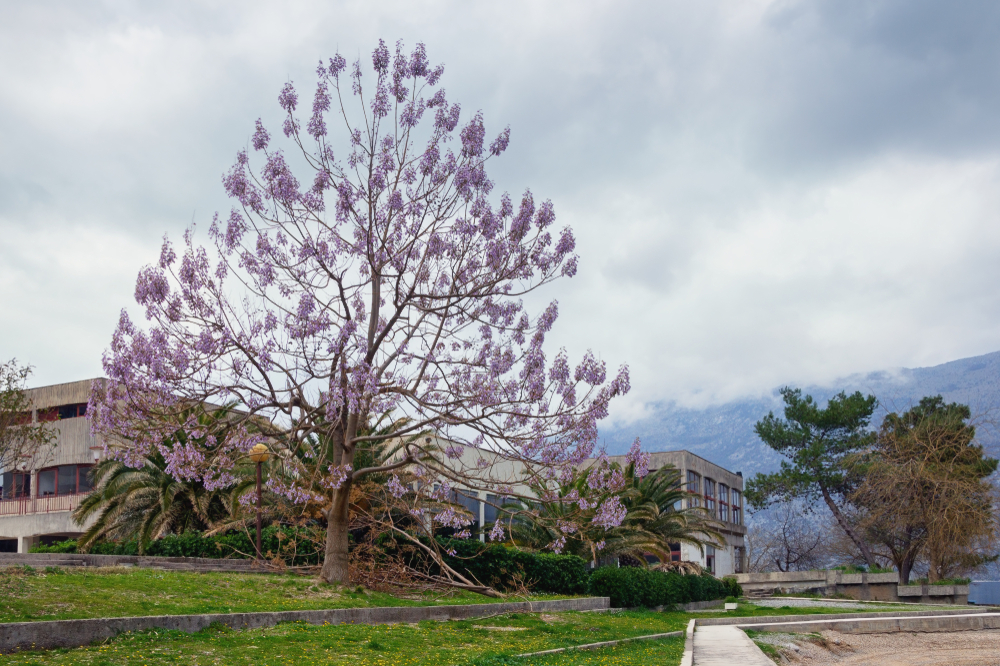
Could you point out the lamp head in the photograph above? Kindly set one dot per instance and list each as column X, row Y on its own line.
column 259, row 453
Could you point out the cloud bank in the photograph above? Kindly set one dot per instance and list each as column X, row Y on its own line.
column 763, row 192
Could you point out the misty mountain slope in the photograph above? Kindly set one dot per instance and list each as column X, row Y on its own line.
column 724, row 433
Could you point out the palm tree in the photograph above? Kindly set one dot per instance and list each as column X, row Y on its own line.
column 145, row 503
column 653, row 520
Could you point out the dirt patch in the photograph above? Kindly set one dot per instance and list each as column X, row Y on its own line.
column 958, row 648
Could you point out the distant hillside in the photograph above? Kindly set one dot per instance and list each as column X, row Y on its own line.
column 724, row 433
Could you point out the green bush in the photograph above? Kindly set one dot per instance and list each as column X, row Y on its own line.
column 733, row 588
column 234, row 545
column 68, row 546
column 634, row 587
column 502, row 568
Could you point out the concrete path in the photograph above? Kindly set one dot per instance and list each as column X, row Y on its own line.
column 723, row 645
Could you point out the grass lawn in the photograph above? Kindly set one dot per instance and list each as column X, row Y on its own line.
column 485, row 642
column 64, row 594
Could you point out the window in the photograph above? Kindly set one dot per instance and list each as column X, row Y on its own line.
column 723, row 502
column 675, row 552
column 710, row 496
column 739, row 553
column 62, row 412
column 737, row 502
column 63, row 480
column 491, row 508
column 470, row 500
column 50, row 414
column 83, row 484
column 693, row 486
column 47, row 483
column 16, row 486
column 72, row 411
column 710, row 558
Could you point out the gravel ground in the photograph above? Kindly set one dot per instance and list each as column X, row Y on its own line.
column 959, row 648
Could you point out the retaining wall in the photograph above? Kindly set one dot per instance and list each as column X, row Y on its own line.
column 76, row 633
column 786, row 619
column 935, row 623
column 41, row 560
column 862, row 586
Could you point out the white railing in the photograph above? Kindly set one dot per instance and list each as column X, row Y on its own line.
column 30, row 505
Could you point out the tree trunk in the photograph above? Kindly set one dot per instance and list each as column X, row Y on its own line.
column 905, row 567
column 335, row 561
column 849, row 530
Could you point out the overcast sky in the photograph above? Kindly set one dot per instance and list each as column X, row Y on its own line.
column 763, row 192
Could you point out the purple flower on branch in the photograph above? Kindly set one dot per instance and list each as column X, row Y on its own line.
column 610, row 514
column 288, row 97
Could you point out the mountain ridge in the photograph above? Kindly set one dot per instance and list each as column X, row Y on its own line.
column 723, row 433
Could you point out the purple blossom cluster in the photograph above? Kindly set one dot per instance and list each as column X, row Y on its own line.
column 640, row 459
column 611, row 513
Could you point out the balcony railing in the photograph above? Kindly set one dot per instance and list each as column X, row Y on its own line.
column 30, row 505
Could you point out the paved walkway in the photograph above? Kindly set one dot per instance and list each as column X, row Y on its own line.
column 724, row 645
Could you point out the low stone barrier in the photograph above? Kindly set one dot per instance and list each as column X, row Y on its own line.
column 786, row 619
column 932, row 623
column 861, row 586
column 76, row 633
column 41, row 560
column 933, row 594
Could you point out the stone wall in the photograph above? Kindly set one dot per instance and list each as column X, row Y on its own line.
column 864, row 587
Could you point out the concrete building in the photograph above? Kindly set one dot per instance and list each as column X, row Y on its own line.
column 37, row 497
column 721, row 493
column 37, row 500
column 716, row 489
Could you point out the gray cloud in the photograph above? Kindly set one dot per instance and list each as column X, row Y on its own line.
column 763, row 192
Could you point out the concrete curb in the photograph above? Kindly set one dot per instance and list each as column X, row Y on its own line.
column 827, row 600
column 688, row 658
column 785, row 619
column 76, row 633
column 968, row 622
column 594, row 646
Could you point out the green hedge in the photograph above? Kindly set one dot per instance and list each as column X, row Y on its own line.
column 496, row 565
column 235, row 545
column 503, row 568
column 634, row 587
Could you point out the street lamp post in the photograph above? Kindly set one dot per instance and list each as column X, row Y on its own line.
column 259, row 454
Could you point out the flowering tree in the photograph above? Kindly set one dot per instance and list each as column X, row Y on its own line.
column 389, row 281
column 23, row 444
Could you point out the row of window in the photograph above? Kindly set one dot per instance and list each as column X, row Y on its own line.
column 470, row 500
column 53, row 413
column 52, row 482
column 722, row 502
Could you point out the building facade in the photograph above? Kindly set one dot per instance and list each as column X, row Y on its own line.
column 37, row 497
column 720, row 492
column 714, row 488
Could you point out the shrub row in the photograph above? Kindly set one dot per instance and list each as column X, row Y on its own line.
column 502, row 568
column 506, row 568
column 234, row 545
column 632, row 587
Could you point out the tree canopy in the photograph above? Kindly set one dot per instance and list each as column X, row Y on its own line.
column 816, row 443
column 369, row 269
column 924, row 490
column 22, row 442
